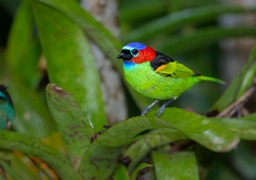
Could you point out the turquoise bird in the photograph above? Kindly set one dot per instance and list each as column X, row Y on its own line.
column 156, row 75
column 6, row 108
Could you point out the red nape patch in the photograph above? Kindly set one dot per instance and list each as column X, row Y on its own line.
column 147, row 54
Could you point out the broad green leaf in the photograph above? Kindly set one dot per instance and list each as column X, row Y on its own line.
column 196, row 127
column 33, row 146
column 23, row 50
column 244, row 128
column 121, row 173
column 70, row 121
column 106, row 149
column 176, row 20
column 240, row 84
column 70, row 62
column 138, row 168
column 188, row 42
column 32, row 116
column 21, row 61
column 179, row 165
column 14, row 167
column 251, row 117
column 145, row 143
column 126, row 131
column 200, row 129
column 99, row 162
column 94, row 29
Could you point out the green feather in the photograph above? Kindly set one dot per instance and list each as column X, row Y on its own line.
column 166, row 82
column 175, row 69
column 207, row 78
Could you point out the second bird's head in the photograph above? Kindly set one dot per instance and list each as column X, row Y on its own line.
column 137, row 53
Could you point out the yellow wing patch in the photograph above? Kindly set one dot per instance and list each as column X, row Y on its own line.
column 175, row 69
column 161, row 68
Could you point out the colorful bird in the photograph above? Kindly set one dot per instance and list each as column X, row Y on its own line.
column 6, row 108
column 156, row 75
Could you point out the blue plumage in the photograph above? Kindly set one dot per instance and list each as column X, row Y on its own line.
column 134, row 45
column 6, row 108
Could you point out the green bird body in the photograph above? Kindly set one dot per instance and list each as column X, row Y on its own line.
column 156, row 75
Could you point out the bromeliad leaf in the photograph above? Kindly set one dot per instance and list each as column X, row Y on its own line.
column 70, row 121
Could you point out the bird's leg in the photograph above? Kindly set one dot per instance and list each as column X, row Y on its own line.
column 145, row 111
column 162, row 108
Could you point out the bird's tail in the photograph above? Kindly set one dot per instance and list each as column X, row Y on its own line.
column 207, row 78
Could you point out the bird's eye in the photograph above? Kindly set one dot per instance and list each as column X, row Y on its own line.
column 134, row 52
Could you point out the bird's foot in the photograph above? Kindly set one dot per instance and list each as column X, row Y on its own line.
column 162, row 108
column 145, row 111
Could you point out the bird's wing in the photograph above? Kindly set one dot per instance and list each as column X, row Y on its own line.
column 175, row 69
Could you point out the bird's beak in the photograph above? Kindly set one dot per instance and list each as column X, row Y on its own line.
column 121, row 56
column 124, row 56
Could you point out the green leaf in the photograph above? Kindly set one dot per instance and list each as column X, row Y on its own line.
column 188, row 42
column 99, row 162
column 239, row 85
column 251, row 117
column 180, row 165
column 32, row 146
column 201, row 129
column 32, row 116
column 94, row 29
column 22, row 79
column 146, row 142
column 70, row 62
column 196, row 127
column 121, row 173
column 138, row 168
column 176, row 20
column 70, row 121
column 22, row 48
column 14, row 167
column 106, row 149
column 243, row 127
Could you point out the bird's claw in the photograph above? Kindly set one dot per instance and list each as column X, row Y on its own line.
column 145, row 111
column 160, row 111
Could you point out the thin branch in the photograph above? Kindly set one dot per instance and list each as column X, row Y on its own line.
column 230, row 110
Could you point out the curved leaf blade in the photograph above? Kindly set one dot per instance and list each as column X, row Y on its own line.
column 153, row 139
column 188, row 42
column 94, row 29
column 70, row 122
column 240, row 83
column 180, row 165
column 201, row 129
column 176, row 20
column 70, row 62
column 194, row 126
